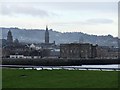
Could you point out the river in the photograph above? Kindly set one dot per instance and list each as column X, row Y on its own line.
column 80, row 67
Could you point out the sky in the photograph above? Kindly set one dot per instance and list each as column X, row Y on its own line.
column 97, row 18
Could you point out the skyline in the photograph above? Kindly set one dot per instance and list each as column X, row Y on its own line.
column 87, row 17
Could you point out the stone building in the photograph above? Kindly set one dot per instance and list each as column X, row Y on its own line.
column 46, row 35
column 9, row 37
column 104, row 52
column 47, row 44
column 14, row 49
column 77, row 50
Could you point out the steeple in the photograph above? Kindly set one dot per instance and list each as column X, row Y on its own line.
column 9, row 37
column 46, row 28
column 46, row 35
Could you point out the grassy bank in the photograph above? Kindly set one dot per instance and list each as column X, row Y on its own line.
column 14, row 78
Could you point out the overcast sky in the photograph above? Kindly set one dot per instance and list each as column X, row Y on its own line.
column 98, row 18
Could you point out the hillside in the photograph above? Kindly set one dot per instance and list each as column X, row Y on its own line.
column 37, row 36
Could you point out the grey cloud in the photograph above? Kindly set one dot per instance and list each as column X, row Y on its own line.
column 99, row 21
column 86, row 6
column 87, row 22
column 25, row 10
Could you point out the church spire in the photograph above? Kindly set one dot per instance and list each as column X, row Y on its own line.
column 46, row 35
column 46, row 28
column 9, row 37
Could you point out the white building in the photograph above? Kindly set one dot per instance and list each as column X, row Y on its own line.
column 36, row 47
column 16, row 56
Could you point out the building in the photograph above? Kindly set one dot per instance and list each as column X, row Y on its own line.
column 105, row 52
column 16, row 41
column 35, row 46
column 46, row 36
column 47, row 44
column 55, row 53
column 77, row 50
column 16, row 56
column 14, row 49
column 9, row 37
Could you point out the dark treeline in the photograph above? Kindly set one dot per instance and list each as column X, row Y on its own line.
column 59, row 62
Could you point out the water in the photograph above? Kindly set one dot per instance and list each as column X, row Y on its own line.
column 100, row 66
column 83, row 66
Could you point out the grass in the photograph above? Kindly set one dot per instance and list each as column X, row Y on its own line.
column 16, row 78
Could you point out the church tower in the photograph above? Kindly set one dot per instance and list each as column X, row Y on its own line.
column 46, row 35
column 9, row 37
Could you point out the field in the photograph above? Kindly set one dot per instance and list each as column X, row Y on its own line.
column 16, row 78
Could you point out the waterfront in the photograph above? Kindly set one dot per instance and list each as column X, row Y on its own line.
column 82, row 67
